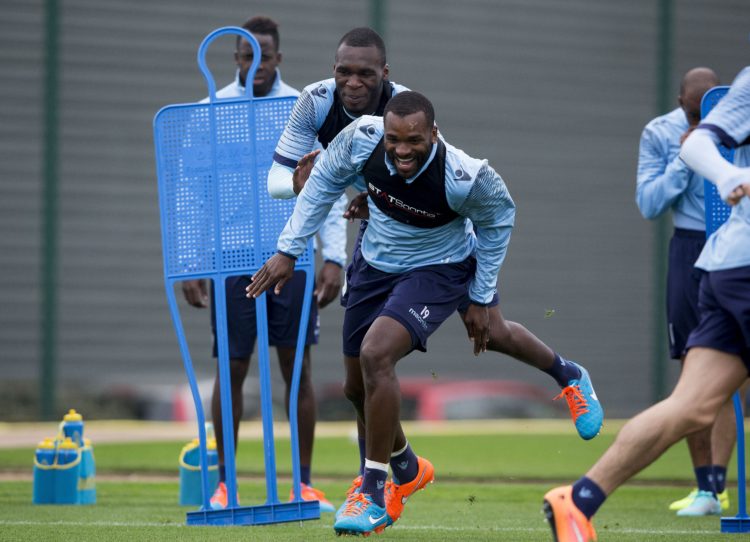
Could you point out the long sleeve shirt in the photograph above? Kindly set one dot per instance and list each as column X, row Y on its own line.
column 664, row 181
column 473, row 190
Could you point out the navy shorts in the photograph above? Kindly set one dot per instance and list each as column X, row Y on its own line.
column 283, row 312
column 724, row 302
column 420, row 299
column 683, row 281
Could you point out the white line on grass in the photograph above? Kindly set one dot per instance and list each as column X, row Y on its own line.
column 399, row 528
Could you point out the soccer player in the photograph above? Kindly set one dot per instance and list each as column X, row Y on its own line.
column 360, row 86
column 718, row 356
column 241, row 310
column 665, row 183
column 435, row 210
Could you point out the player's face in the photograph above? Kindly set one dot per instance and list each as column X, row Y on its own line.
column 359, row 74
column 269, row 59
column 408, row 142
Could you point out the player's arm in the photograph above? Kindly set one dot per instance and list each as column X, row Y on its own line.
column 328, row 180
column 297, row 140
column 727, row 123
column 492, row 211
column 659, row 182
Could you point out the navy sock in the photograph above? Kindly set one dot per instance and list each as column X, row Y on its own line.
column 404, row 467
column 720, row 478
column 704, row 477
column 304, row 474
column 563, row 371
column 373, row 484
column 361, row 442
column 587, row 496
column 222, row 473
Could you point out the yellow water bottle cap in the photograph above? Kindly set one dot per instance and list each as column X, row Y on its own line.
column 87, row 442
column 47, row 444
column 68, row 444
column 72, row 416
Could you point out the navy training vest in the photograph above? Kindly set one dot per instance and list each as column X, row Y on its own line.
column 422, row 203
column 337, row 119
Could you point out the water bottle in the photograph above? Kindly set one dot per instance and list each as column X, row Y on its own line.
column 68, row 472
column 44, row 473
column 73, row 427
column 87, row 480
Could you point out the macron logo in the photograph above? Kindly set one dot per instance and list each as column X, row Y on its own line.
column 403, row 465
column 585, row 493
column 380, row 484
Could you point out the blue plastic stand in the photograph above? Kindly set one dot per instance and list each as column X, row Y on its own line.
column 218, row 221
column 717, row 213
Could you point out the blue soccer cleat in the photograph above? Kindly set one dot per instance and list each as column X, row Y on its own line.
column 361, row 516
column 584, row 405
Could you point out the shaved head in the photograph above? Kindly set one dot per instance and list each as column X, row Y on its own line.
column 695, row 83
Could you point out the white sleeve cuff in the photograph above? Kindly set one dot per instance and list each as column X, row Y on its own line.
column 280, row 184
column 700, row 153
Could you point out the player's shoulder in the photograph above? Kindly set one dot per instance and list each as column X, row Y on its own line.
column 321, row 90
column 285, row 90
column 396, row 88
column 674, row 119
column 459, row 166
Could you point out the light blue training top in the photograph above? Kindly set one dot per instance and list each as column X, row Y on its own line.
column 729, row 246
column 333, row 231
column 473, row 190
column 664, row 180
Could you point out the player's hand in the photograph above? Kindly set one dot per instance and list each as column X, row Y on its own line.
column 477, row 322
column 195, row 292
column 358, row 208
column 275, row 272
column 302, row 171
column 738, row 193
column 328, row 284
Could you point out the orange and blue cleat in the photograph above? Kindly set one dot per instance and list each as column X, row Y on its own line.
column 310, row 493
column 567, row 522
column 220, row 498
column 584, row 405
column 361, row 516
column 397, row 495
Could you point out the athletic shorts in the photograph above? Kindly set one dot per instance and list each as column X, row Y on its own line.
column 283, row 312
column 420, row 299
column 683, row 282
column 724, row 301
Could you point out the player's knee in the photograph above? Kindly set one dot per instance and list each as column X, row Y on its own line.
column 354, row 392
column 238, row 368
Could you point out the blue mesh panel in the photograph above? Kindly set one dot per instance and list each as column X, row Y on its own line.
column 209, row 185
column 717, row 212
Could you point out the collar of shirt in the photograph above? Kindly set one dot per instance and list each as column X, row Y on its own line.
column 392, row 169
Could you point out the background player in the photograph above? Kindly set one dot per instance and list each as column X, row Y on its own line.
column 719, row 346
column 282, row 330
column 665, row 183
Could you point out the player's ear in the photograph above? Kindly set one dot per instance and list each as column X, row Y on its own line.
column 278, row 58
column 434, row 133
column 386, row 70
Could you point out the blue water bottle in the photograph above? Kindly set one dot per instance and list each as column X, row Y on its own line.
column 87, row 480
column 72, row 426
column 68, row 470
column 44, row 473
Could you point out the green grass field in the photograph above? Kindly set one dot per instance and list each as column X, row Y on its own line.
column 488, row 487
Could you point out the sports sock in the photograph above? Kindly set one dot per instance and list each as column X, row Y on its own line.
column 563, row 371
column 404, row 465
column 361, row 442
column 720, row 478
column 704, row 477
column 587, row 496
column 373, row 483
column 304, row 474
column 222, row 473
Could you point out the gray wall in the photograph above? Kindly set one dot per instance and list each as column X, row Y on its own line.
column 554, row 94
